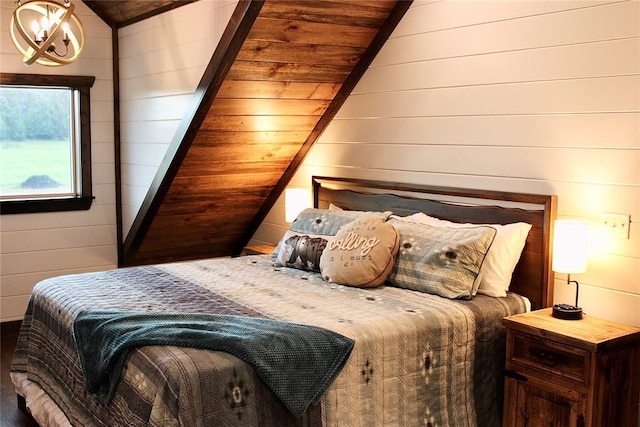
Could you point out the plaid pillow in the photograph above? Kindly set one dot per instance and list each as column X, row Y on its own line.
column 440, row 260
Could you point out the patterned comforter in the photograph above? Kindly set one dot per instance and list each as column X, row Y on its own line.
column 418, row 359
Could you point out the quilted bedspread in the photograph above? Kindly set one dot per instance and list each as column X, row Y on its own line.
column 418, row 359
column 297, row 362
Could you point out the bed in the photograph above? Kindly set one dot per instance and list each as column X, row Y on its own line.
column 415, row 358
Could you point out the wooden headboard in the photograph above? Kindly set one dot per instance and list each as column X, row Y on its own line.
column 532, row 277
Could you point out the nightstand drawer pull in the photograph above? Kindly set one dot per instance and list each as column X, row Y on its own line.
column 547, row 358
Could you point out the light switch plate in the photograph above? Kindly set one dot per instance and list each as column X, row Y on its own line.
column 616, row 225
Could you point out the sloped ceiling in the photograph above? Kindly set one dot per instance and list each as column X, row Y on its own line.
column 281, row 71
column 120, row 13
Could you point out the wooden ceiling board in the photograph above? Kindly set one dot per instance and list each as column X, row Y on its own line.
column 229, row 192
column 346, row 12
column 280, row 71
column 269, row 107
column 260, row 123
column 205, row 157
column 244, row 201
column 246, row 169
column 276, row 51
column 290, row 66
column 214, row 137
column 305, row 32
column 120, row 13
column 278, row 90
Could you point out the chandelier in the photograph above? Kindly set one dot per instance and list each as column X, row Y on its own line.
column 55, row 35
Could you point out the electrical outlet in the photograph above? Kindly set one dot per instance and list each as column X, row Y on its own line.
column 617, row 225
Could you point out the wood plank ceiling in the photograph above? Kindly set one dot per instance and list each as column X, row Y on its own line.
column 280, row 73
column 121, row 13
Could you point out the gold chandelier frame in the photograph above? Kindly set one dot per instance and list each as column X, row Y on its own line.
column 62, row 24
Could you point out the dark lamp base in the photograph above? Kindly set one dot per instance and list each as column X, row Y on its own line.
column 567, row 312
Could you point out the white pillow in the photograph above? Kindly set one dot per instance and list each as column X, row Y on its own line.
column 504, row 253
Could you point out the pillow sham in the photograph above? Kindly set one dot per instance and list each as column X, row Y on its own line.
column 504, row 254
column 301, row 251
column 362, row 254
column 444, row 261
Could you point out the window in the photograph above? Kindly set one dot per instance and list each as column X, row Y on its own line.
column 45, row 143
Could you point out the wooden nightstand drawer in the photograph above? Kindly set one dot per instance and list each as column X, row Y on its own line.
column 548, row 360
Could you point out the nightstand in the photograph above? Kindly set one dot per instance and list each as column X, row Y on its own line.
column 266, row 249
column 571, row 372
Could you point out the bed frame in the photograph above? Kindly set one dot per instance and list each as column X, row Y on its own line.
column 532, row 277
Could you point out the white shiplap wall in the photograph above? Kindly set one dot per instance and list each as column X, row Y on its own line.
column 530, row 96
column 37, row 246
column 162, row 60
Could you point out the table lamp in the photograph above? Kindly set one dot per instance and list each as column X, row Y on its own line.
column 296, row 200
column 570, row 248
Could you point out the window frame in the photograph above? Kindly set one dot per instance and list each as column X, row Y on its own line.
column 84, row 200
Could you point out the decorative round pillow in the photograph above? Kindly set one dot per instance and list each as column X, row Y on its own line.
column 362, row 254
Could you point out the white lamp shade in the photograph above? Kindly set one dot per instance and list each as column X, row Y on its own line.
column 570, row 246
column 296, row 200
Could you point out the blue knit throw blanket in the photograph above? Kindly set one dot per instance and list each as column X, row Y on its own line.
column 297, row 362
